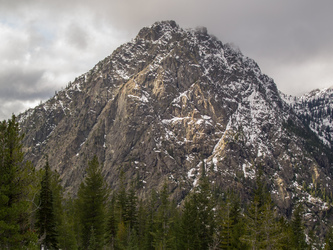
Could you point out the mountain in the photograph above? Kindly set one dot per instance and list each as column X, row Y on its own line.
column 316, row 110
column 171, row 104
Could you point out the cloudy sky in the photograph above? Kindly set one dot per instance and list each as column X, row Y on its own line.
column 44, row 44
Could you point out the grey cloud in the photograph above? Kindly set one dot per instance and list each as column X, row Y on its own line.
column 77, row 36
column 11, row 107
column 17, row 83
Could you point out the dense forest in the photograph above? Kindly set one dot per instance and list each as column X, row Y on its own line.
column 35, row 212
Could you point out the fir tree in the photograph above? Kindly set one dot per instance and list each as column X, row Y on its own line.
column 91, row 205
column 189, row 231
column 329, row 238
column 130, row 215
column 151, row 209
column 111, row 227
column 67, row 231
column 252, row 226
column 197, row 225
column 271, row 230
column 17, row 189
column 162, row 221
column 230, row 225
column 204, row 201
column 254, row 235
column 226, row 225
column 143, row 223
column 46, row 222
column 297, row 226
column 92, row 240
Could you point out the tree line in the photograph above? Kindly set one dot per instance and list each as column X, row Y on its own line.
column 35, row 214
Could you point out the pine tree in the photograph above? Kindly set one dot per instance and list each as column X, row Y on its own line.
column 204, row 201
column 111, row 227
column 150, row 209
column 46, row 222
column 67, row 230
column 297, row 226
column 253, row 232
column 197, row 225
column 91, row 205
column 230, row 225
column 92, row 240
column 273, row 235
column 64, row 214
column 226, row 223
column 17, row 189
column 121, row 236
column 162, row 221
column 121, row 199
column 252, row 235
column 189, row 231
column 238, row 220
column 130, row 215
column 329, row 238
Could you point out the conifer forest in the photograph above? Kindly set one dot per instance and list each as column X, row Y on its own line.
column 36, row 213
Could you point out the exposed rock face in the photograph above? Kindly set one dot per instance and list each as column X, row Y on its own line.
column 166, row 102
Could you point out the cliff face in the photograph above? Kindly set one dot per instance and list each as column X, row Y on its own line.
column 169, row 101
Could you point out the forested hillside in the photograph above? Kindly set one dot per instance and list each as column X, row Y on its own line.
column 34, row 213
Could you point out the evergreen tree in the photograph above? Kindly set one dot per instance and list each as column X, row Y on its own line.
column 272, row 234
column 162, row 221
column 111, row 229
column 126, row 203
column 133, row 241
column 121, row 236
column 67, row 230
column 142, row 223
column 204, row 201
column 130, row 215
column 189, row 231
column 254, row 231
column 17, row 189
column 92, row 240
column 252, row 235
column 197, row 225
column 226, row 224
column 329, row 238
column 91, row 205
column 175, row 226
column 46, row 222
column 297, row 226
column 150, row 210
column 230, row 225
column 238, row 223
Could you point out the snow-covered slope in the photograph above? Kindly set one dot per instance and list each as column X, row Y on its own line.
column 316, row 110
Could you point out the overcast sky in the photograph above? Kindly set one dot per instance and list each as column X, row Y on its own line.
column 44, row 44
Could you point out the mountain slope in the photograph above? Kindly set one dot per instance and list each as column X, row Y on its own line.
column 316, row 110
column 169, row 101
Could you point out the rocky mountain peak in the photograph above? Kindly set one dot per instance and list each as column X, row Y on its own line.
column 158, row 30
column 166, row 104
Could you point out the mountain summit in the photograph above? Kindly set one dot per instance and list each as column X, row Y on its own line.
column 174, row 104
